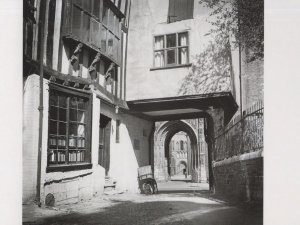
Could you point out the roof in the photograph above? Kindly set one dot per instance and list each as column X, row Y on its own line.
column 184, row 107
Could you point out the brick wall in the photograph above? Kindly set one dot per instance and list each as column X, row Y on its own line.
column 241, row 180
column 252, row 82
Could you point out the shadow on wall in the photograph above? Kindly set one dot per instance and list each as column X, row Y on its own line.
column 210, row 72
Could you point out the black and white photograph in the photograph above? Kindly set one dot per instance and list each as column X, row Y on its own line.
column 144, row 112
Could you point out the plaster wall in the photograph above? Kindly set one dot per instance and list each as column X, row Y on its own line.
column 78, row 185
column 147, row 19
column 124, row 158
column 30, row 136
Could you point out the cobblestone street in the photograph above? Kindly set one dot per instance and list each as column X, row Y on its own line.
column 190, row 203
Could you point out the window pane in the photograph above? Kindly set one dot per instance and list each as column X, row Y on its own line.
column 52, row 127
column 81, row 103
column 81, row 130
column 159, row 42
column 80, row 142
column 96, row 8
column 61, row 142
column 51, row 156
column 117, row 26
column 87, row 5
column 111, row 20
column 53, row 99
column 159, row 59
column 81, row 116
column 103, row 38
column 62, row 129
column 73, row 102
column 182, row 39
column 105, row 14
column 115, row 48
column 110, row 42
column 61, row 156
column 62, row 114
column 76, row 21
column 72, row 142
column 73, row 129
column 53, row 113
column 171, row 56
column 171, row 40
column 183, row 55
column 95, row 35
column 86, row 27
column 52, row 141
column 63, row 101
column 73, row 114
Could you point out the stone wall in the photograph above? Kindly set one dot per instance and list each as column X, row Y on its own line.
column 240, row 180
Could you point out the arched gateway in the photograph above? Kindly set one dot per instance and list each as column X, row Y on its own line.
column 162, row 138
column 216, row 108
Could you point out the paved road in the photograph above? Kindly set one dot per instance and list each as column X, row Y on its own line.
column 186, row 208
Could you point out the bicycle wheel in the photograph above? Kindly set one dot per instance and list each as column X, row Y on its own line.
column 147, row 189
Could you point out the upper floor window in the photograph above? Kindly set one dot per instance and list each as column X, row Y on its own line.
column 97, row 23
column 171, row 50
column 69, row 128
column 180, row 10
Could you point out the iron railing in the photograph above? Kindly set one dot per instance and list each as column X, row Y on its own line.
column 241, row 135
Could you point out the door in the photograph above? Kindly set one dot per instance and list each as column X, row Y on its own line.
column 104, row 142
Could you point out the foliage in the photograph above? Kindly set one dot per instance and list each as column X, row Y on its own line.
column 210, row 72
column 244, row 19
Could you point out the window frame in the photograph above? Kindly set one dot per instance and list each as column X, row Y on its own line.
column 165, row 49
column 69, row 166
column 109, row 28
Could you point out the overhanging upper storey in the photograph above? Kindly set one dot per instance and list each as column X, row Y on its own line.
column 185, row 107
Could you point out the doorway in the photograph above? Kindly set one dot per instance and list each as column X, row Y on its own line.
column 104, row 142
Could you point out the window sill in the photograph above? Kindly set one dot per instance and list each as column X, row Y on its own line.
column 70, row 167
column 170, row 67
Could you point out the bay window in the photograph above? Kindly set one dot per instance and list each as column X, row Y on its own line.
column 96, row 23
column 69, row 128
column 171, row 50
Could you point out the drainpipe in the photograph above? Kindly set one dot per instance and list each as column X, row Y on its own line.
column 240, row 63
column 248, row 194
column 126, row 49
column 41, row 104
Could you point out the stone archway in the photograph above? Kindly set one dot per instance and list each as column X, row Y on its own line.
column 162, row 138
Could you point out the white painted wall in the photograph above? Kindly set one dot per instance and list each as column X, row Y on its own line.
column 124, row 159
column 148, row 18
column 30, row 136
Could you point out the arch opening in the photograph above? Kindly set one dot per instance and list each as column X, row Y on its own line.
column 191, row 154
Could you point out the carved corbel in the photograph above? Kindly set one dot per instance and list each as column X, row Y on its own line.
column 66, row 82
column 52, row 79
column 75, row 55
column 76, row 85
column 93, row 66
column 86, row 87
column 108, row 72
